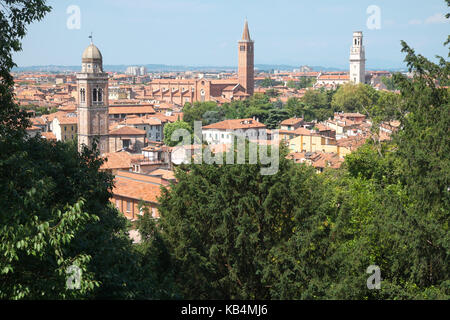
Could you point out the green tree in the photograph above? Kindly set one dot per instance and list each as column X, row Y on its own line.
column 269, row 83
column 219, row 224
column 389, row 83
column 272, row 93
column 55, row 208
column 15, row 15
column 170, row 128
column 354, row 98
column 197, row 111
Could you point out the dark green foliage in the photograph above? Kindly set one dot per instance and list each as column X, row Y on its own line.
column 389, row 83
column 220, row 222
column 304, row 82
column 170, row 128
column 269, row 83
column 54, row 205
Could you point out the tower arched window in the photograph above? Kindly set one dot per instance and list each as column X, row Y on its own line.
column 94, row 95
column 83, row 95
column 100, row 95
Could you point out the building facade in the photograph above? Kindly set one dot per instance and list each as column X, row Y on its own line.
column 224, row 132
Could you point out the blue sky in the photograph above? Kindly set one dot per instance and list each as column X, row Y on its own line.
column 205, row 32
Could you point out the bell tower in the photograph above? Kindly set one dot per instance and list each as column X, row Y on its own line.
column 92, row 84
column 357, row 59
column 246, row 68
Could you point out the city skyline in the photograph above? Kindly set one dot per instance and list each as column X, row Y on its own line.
column 202, row 33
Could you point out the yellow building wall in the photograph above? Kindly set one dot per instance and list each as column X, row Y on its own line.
column 316, row 144
column 68, row 132
column 306, row 143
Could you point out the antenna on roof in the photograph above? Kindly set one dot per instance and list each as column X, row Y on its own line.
column 90, row 37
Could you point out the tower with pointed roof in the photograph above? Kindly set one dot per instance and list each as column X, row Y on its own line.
column 92, row 83
column 246, row 67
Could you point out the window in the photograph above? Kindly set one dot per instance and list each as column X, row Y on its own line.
column 117, row 204
column 94, row 95
column 126, row 143
column 128, row 206
column 83, row 95
column 100, row 95
column 65, row 128
column 72, row 128
column 242, row 48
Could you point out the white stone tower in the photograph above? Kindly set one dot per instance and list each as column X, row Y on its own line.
column 357, row 59
column 93, row 118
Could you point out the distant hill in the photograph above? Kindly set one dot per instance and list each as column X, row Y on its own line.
column 163, row 68
column 171, row 68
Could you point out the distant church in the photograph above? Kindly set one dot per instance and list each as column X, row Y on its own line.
column 357, row 59
column 93, row 101
column 357, row 73
column 93, row 94
column 180, row 91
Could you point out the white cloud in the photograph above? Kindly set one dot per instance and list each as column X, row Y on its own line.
column 415, row 21
column 437, row 18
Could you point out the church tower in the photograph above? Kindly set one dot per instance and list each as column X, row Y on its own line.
column 357, row 59
column 93, row 116
column 246, row 68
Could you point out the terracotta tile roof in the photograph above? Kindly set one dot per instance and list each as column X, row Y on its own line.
column 119, row 160
column 33, row 128
column 291, row 121
column 127, row 131
column 165, row 174
column 317, row 159
column 137, row 186
column 236, row 124
column 321, row 127
column 51, row 116
column 48, row 136
column 352, row 142
column 68, row 120
column 147, row 120
column 334, row 77
column 37, row 121
column 304, row 132
column 138, row 109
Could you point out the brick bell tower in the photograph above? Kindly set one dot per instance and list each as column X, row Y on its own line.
column 246, row 67
column 93, row 118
